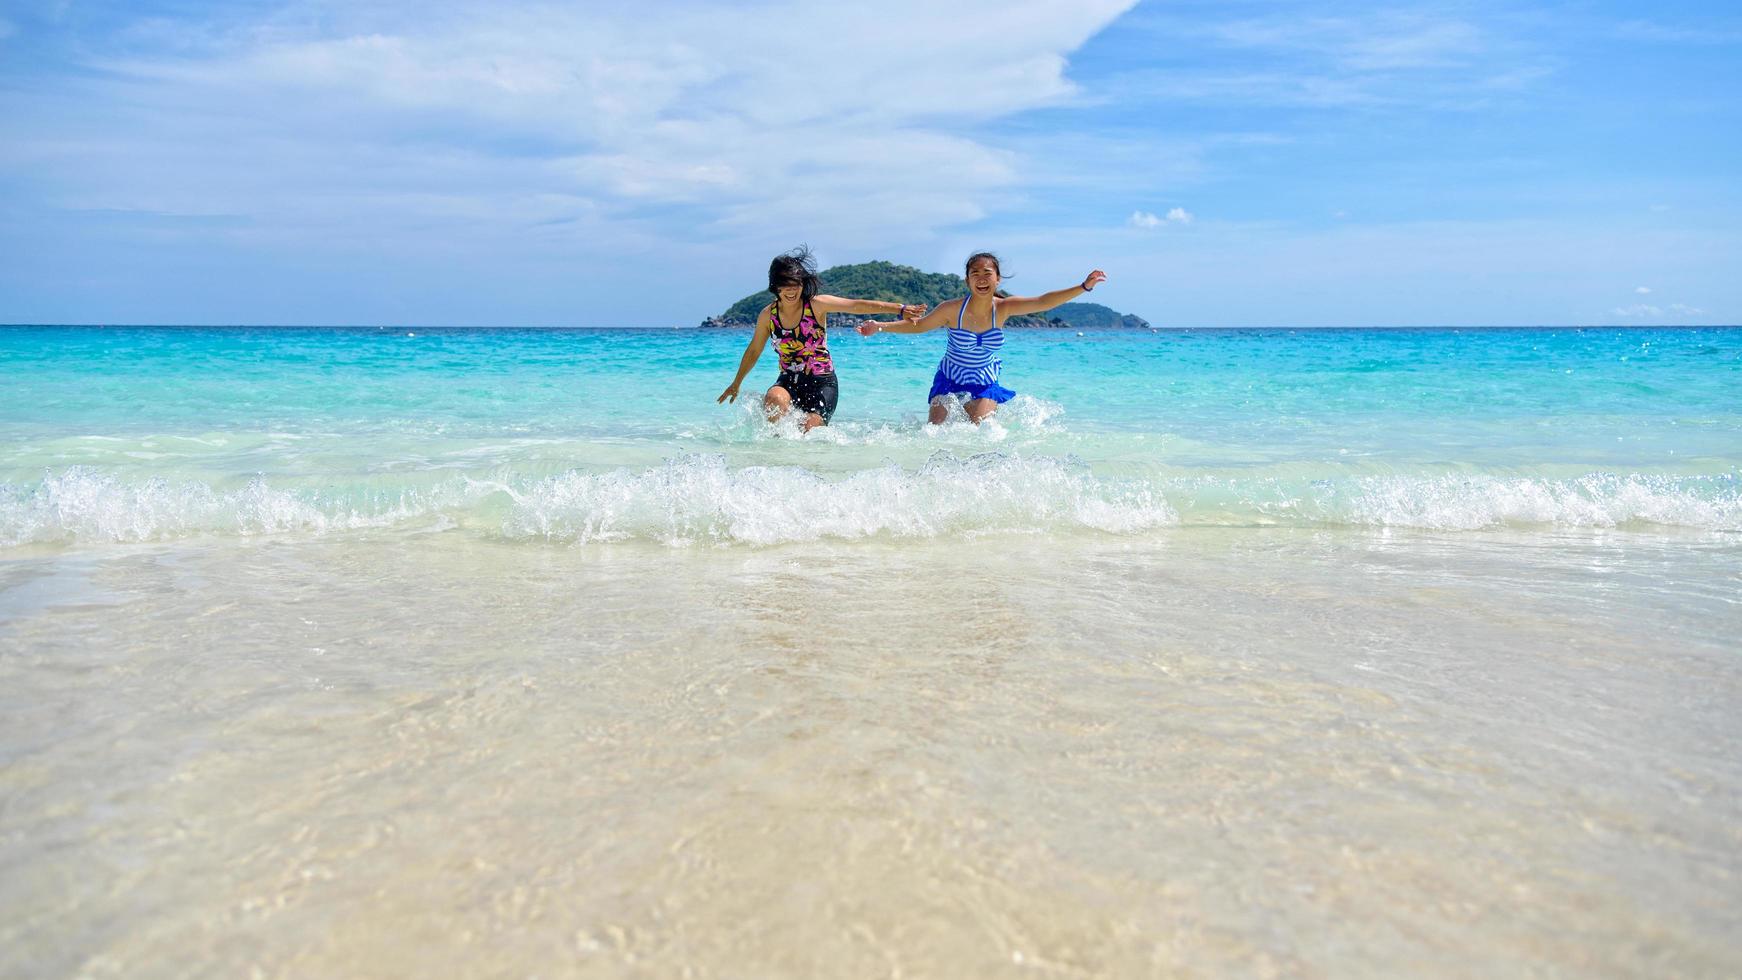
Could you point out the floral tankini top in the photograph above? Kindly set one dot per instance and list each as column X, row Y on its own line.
column 805, row 348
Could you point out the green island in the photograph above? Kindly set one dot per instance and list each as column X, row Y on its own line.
column 905, row 284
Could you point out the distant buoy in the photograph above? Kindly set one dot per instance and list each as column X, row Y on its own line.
column 409, row 334
column 1079, row 333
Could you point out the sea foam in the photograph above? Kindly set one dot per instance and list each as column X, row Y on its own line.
column 1472, row 501
column 702, row 498
column 83, row 504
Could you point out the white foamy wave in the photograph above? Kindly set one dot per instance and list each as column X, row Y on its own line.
column 703, row 499
column 1598, row 500
column 1464, row 502
column 699, row 498
column 80, row 504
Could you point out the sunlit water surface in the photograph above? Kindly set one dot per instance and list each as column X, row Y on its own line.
column 333, row 653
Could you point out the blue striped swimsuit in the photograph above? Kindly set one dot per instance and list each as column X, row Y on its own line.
column 971, row 362
column 972, row 358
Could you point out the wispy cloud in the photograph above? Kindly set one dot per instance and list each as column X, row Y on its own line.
column 1391, row 58
column 1651, row 311
column 1388, row 41
column 513, row 113
column 1638, row 310
column 1647, row 311
column 1147, row 219
column 1729, row 32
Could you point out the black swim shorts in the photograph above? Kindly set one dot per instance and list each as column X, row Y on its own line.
column 811, row 392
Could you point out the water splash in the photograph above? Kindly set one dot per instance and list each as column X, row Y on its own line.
column 703, row 498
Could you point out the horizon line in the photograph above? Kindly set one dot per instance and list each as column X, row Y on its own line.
column 726, row 329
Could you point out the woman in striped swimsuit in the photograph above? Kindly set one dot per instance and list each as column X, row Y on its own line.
column 797, row 323
column 969, row 370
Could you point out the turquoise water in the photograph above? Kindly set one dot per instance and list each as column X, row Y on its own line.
column 1215, row 653
column 126, row 434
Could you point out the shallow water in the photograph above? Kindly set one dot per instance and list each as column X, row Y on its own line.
column 142, row 434
column 1342, row 653
column 1199, row 751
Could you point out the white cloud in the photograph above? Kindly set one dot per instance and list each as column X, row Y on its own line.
column 1642, row 30
column 1387, row 58
column 1146, row 219
column 1380, row 42
column 1638, row 310
column 1648, row 311
column 1643, row 290
column 737, row 116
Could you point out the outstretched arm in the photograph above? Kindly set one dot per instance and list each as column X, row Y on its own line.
column 841, row 304
column 758, row 340
column 1018, row 305
column 931, row 321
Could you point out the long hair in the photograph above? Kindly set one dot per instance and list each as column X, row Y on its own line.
column 795, row 266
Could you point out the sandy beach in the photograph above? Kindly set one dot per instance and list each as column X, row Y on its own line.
column 1285, row 753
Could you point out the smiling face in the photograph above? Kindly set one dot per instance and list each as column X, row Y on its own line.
column 983, row 276
column 792, row 278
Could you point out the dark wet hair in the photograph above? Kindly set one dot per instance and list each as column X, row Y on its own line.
column 795, row 266
column 968, row 266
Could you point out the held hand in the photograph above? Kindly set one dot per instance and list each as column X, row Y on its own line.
column 914, row 312
column 1095, row 279
column 730, row 394
column 869, row 327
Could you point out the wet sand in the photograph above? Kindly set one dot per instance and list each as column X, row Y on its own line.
column 1195, row 752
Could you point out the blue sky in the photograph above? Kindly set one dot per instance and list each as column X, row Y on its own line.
column 1227, row 163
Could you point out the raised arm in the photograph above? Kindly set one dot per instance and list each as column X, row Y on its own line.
column 841, row 304
column 758, row 340
column 931, row 321
column 1018, row 305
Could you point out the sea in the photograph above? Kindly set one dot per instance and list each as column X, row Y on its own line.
column 512, row 652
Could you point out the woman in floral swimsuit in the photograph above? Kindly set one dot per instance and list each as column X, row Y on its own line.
column 797, row 322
